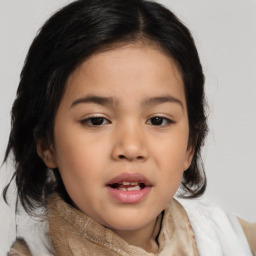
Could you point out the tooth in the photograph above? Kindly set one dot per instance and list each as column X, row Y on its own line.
column 126, row 183
column 135, row 183
column 133, row 188
column 122, row 189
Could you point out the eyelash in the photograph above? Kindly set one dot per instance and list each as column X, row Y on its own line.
column 166, row 121
column 103, row 121
column 88, row 121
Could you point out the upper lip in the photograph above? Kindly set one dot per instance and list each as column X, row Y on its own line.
column 129, row 177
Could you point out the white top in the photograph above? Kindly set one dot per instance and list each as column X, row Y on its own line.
column 216, row 232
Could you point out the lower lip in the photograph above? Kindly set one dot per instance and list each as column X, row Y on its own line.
column 129, row 197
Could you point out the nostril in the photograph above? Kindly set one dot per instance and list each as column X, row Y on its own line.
column 122, row 157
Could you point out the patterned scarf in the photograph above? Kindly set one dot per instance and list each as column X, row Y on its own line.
column 75, row 234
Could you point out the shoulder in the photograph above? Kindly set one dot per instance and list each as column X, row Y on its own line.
column 19, row 248
column 34, row 230
column 215, row 228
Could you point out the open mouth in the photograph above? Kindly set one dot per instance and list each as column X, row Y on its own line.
column 129, row 182
column 128, row 186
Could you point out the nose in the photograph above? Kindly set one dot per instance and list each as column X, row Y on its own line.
column 130, row 144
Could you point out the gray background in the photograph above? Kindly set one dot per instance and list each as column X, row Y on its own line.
column 225, row 34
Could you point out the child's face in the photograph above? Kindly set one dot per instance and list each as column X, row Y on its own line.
column 123, row 118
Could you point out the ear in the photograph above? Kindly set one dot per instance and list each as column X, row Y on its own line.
column 188, row 157
column 46, row 153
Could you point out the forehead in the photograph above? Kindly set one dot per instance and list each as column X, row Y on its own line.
column 134, row 69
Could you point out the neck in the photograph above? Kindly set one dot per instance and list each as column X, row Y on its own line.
column 145, row 237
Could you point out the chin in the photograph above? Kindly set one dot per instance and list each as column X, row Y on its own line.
column 132, row 222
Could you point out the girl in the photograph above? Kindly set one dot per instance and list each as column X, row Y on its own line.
column 108, row 123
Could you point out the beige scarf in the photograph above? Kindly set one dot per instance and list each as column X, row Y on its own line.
column 74, row 233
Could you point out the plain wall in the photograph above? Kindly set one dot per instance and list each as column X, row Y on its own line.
column 225, row 34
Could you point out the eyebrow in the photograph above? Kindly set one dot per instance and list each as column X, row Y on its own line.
column 162, row 99
column 95, row 99
column 113, row 101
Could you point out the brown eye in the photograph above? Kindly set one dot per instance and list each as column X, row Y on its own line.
column 95, row 121
column 159, row 121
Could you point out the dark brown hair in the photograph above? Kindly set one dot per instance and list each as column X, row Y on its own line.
column 66, row 39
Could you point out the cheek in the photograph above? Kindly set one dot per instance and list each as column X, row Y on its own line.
column 171, row 157
column 79, row 156
column 80, row 167
column 172, row 152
